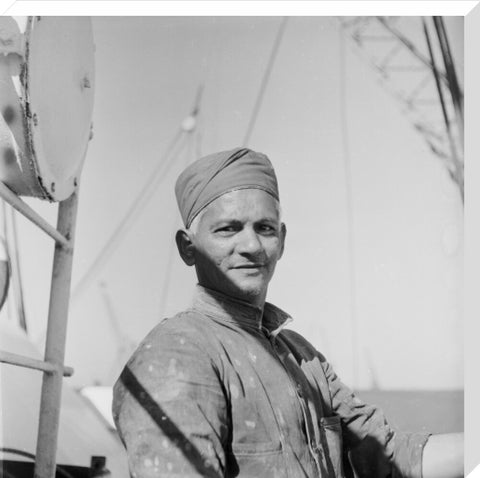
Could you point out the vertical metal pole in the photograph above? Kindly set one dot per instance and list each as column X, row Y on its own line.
column 45, row 463
column 457, row 164
column 455, row 91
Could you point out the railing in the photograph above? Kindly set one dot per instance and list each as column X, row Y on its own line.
column 53, row 364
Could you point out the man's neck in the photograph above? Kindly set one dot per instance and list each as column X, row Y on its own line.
column 255, row 301
column 226, row 307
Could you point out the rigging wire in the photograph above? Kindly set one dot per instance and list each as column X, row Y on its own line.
column 194, row 148
column 171, row 250
column 126, row 345
column 10, row 305
column 349, row 211
column 454, row 87
column 457, row 167
column 17, row 272
column 158, row 174
column 11, row 241
column 265, row 79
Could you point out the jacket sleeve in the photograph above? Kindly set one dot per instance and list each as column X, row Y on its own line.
column 374, row 448
column 170, row 410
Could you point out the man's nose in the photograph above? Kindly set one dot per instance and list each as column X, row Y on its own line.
column 249, row 242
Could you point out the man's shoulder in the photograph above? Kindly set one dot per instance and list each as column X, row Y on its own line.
column 187, row 324
column 180, row 338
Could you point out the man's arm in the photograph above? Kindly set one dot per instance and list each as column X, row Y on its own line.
column 443, row 456
column 170, row 410
column 375, row 448
column 373, row 443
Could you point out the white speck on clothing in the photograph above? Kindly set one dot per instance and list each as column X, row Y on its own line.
column 210, row 450
column 234, row 391
column 172, row 367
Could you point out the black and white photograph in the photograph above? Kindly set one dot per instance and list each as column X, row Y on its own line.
column 232, row 245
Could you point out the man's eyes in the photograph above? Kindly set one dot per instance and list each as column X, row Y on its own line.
column 227, row 229
column 231, row 229
column 266, row 228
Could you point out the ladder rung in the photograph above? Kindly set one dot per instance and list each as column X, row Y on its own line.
column 22, row 207
column 28, row 362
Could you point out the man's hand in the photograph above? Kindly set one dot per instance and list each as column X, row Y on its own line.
column 443, row 456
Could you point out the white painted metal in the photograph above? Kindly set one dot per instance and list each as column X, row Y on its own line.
column 46, row 99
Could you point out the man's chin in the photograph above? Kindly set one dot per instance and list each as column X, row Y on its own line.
column 249, row 292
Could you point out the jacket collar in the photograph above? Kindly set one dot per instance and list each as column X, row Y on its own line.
column 229, row 309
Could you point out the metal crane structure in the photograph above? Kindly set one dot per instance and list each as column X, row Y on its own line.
column 412, row 59
column 414, row 62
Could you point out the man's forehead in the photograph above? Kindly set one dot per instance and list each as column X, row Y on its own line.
column 253, row 204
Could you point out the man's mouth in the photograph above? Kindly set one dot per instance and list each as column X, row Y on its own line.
column 249, row 266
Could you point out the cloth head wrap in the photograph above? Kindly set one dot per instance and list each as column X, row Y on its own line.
column 211, row 176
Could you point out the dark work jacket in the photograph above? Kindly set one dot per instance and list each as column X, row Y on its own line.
column 222, row 390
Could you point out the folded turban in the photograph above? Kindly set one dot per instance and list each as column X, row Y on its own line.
column 211, row 176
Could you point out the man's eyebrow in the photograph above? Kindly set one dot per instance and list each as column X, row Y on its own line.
column 226, row 220
column 274, row 219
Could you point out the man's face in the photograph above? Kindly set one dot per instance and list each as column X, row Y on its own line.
column 238, row 243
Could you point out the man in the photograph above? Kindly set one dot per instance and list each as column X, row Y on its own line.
column 223, row 389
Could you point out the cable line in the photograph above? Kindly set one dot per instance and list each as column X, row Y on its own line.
column 193, row 149
column 264, row 83
column 454, row 87
column 457, row 169
column 159, row 173
column 350, row 213
column 171, row 250
column 146, row 192
column 13, row 260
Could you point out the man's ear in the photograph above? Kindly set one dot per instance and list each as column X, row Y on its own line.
column 283, row 235
column 185, row 246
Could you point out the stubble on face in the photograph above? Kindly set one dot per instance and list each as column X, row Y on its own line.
column 238, row 240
